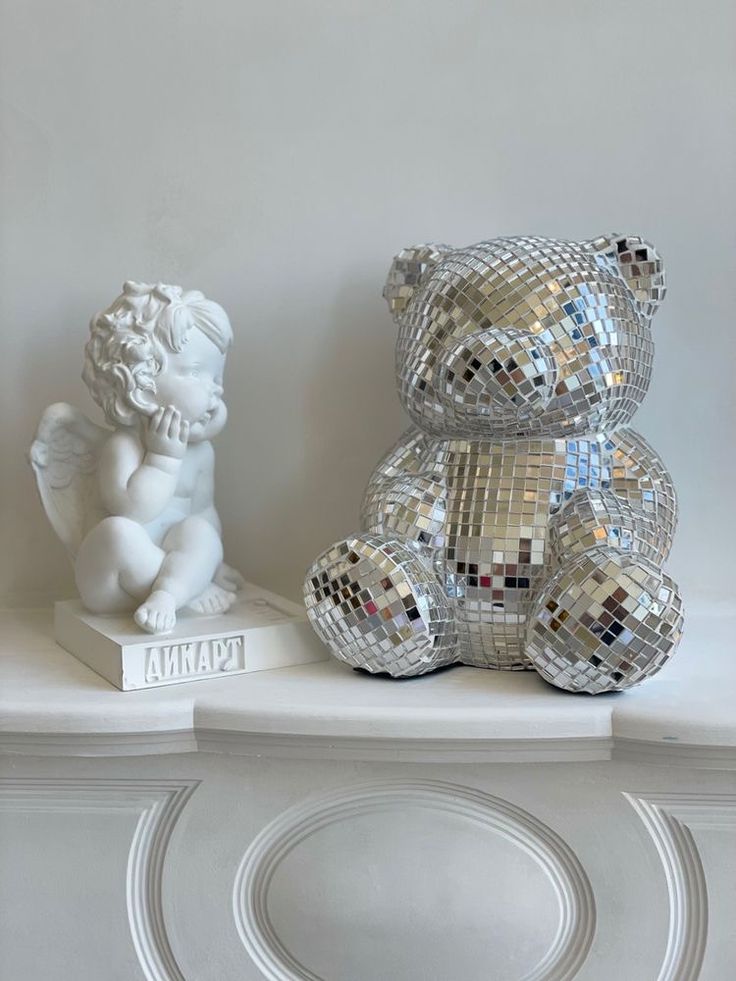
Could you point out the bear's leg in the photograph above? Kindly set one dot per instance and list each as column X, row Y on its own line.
column 378, row 605
column 608, row 617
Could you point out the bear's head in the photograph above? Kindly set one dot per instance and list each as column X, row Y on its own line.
column 525, row 336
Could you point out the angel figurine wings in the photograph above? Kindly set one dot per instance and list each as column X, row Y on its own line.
column 134, row 504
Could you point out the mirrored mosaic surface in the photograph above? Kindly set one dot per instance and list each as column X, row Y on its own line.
column 521, row 522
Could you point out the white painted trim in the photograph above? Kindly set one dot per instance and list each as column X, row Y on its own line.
column 576, row 905
column 393, row 750
column 228, row 742
column 664, row 753
column 670, row 819
column 98, row 743
column 158, row 804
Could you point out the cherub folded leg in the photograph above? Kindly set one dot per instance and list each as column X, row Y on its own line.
column 119, row 569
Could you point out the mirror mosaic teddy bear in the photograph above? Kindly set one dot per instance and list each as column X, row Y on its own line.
column 520, row 522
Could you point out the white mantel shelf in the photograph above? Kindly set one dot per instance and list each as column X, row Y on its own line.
column 314, row 824
column 51, row 704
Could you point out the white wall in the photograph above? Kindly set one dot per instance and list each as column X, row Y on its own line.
column 277, row 154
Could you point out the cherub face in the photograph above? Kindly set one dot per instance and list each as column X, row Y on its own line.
column 192, row 382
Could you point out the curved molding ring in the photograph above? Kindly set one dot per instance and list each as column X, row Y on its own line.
column 158, row 804
column 670, row 820
column 252, row 882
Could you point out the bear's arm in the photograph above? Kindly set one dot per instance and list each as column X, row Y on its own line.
column 405, row 497
column 640, row 477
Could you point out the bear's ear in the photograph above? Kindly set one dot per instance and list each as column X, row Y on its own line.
column 408, row 270
column 641, row 266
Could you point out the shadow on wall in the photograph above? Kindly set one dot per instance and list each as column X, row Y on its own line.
column 350, row 416
column 46, row 373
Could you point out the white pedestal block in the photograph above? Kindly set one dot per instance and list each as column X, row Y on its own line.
column 261, row 631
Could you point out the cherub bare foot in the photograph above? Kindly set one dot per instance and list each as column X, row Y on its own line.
column 229, row 578
column 157, row 614
column 213, row 600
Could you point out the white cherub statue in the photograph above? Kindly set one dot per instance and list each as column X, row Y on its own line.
column 134, row 507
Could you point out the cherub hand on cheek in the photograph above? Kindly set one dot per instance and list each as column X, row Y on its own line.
column 135, row 507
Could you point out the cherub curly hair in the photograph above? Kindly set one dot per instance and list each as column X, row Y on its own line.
column 129, row 342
